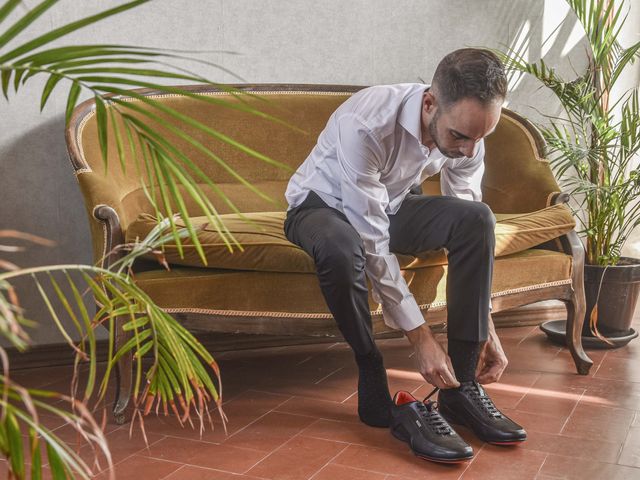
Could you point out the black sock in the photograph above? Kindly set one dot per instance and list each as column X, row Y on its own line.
column 464, row 357
column 374, row 400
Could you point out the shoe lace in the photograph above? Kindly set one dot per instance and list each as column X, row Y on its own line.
column 479, row 396
column 429, row 412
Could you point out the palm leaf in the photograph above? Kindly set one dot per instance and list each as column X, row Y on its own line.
column 58, row 32
column 24, row 22
column 7, row 8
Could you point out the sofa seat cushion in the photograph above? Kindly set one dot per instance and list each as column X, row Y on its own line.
column 267, row 249
column 278, row 294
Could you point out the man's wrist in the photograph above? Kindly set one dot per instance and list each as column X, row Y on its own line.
column 417, row 335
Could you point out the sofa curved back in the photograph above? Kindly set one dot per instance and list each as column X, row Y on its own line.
column 517, row 178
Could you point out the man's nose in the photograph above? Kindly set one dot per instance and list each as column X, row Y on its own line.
column 469, row 148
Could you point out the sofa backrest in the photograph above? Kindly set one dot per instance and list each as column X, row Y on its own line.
column 516, row 177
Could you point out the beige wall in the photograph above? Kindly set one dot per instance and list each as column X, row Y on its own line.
column 293, row 41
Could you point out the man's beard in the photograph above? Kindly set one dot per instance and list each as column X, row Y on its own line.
column 435, row 136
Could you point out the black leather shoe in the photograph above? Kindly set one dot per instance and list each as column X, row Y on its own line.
column 470, row 405
column 427, row 433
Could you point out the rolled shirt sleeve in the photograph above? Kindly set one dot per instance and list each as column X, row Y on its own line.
column 364, row 199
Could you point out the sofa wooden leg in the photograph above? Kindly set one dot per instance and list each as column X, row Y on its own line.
column 123, row 404
column 575, row 318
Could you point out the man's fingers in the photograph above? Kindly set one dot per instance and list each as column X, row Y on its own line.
column 435, row 380
column 452, row 373
column 490, row 375
column 449, row 378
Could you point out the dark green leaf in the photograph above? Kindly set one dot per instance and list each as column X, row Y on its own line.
column 102, row 126
column 74, row 93
column 64, row 30
column 25, row 21
column 5, row 75
column 48, row 88
column 14, row 437
column 58, row 470
column 36, row 457
column 7, row 8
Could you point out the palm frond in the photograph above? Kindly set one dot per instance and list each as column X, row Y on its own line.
column 591, row 149
column 150, row 327
column 22, row 410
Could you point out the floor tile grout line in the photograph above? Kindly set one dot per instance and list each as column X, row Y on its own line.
column 599, row 365
column 305, row 360
column 544, row 460
column 572, row 412
column 319, row 418
column 258, row 418
column 330, row 460
column 533, row 329
column 147, row 447
column 175, row 471
column 219, row 470
column 354, row 393
column 272, row 452
column 180, row 464
column 363, row 469
column 234, row 433
column 625, row 440
column 515, row 407
column 327, row 376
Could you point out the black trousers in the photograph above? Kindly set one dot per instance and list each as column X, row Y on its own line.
column 465, row 228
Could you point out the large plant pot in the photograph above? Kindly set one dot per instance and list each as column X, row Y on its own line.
column 616, row 305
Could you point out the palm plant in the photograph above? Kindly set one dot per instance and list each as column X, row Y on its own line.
column 593, row 148
column 179, row 379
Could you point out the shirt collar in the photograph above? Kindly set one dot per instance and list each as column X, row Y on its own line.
column 411, row 114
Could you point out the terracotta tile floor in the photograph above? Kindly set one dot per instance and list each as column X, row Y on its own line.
column 292, row 415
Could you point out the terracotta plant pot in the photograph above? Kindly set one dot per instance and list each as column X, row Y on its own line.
column 616, row 305
column 618, row 296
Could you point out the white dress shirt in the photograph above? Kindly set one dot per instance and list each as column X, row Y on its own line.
column 366, row 160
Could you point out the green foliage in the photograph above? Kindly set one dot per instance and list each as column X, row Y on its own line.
column 592, row 149
column 179, row 379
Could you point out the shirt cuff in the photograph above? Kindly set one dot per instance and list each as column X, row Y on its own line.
column 406, row 315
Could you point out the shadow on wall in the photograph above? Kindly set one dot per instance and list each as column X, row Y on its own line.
column 40, row 196
column 561, row 45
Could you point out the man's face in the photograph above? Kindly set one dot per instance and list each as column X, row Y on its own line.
column 456, row 130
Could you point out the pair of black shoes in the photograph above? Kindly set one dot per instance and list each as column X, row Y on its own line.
column 425, row 425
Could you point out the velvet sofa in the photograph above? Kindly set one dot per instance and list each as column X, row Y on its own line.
column 271, row 286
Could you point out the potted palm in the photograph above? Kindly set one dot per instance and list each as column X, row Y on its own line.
column 178, row 375
column 593, row 149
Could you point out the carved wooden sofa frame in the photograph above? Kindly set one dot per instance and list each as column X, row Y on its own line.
column 112, row 235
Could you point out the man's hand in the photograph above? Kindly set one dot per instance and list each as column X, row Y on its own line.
column 493, row 360
column 433, row 362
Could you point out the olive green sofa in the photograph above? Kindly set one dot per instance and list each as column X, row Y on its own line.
column 271, row 286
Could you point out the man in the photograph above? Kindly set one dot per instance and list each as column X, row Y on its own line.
column 356, row 200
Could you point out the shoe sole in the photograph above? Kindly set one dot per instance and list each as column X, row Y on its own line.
column 451, row 418
column 400, row 436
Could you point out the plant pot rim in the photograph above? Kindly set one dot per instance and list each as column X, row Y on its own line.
column 633, row 262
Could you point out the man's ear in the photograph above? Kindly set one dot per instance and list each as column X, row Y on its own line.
column 428, row 102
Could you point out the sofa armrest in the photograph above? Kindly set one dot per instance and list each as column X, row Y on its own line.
column 112, row 234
